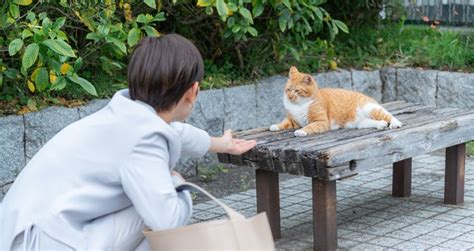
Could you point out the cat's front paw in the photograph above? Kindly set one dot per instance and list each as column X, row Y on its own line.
column 300, row 133
column 382, row 125
column 395, row 123
column 274, row 128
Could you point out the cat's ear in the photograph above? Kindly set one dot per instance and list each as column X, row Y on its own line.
column 293, row 70
column 308, row 79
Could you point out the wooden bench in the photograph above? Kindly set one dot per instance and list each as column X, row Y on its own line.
column 343, row 153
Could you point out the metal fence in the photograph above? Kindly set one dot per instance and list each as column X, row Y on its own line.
column 454, row 12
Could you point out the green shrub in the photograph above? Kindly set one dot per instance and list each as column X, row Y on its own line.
column 52, row 47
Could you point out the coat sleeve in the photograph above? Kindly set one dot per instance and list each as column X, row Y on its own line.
column 194, row 141
column 147, row 181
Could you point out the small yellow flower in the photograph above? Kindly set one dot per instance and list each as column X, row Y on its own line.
column 52, row 77
column 65, row 68
column 31, row 86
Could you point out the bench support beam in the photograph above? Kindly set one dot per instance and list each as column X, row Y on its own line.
column 268, row 199
column 324, row 215
column 401, row 183
column 454, row 174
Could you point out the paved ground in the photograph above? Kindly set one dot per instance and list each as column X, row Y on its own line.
column 368, row 217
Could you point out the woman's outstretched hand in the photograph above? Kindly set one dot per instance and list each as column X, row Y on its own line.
column 227, row 144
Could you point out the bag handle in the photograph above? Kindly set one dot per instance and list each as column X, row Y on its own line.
column 234, row 215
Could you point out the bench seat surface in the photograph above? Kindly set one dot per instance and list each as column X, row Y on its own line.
column 344, row 152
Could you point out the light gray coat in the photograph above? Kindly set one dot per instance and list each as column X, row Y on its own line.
column 118, row 157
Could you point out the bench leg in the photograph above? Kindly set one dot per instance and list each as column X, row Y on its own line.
column 324, row 215
column 454, row 174
column 268, row 199
column 401, row 184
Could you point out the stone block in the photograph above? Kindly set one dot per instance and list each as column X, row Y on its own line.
column 92, row 106
column 367, row 82
column 455, row 90
column 12, row 148
column 334, row 79
column 388, row 76
column 270, row 108
column 240, row 108
column 41, row 126
column 208, row 112
column 417, row 86
column 186, row 166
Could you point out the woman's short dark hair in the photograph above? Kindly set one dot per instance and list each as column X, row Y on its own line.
column 162, row 69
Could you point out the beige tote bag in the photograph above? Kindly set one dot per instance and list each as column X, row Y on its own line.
column 235, row 233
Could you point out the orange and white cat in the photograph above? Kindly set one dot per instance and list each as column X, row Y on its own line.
column 317, row 110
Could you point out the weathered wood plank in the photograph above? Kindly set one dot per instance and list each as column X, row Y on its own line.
column 268, row 199
column 401, row 178
column 345, row 137
column 409, row 144
column 334, row 136
column 324, row 215
column 454, row 174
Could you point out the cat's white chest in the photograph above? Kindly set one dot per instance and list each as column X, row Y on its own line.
column 299, row 110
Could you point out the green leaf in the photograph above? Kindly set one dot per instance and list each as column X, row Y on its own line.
column 282, row 23
column 342, row 26
column 319, row 13
column 295, row 53
column 103, row 30
column 58, row 24
column 144, row 18
column 252, row 31
column 41, row 79
column 204, row 3
column 77, row 64
column 23, row 2
column 60, row 47
column 31, row 16
column 30, row 56
column 151, row 32
column 1, row 80
column 14, row 10
column 246, row 14
column 222, row 9
column 121, row 45
column 287, row 4
column 150, row 3
column 26, row 33
column 59, row 84
column 160, row 17
column 60, row 34
column 257, row 9
column 209, row 10
column 15, row 46
column 133, row 36
column 93, row 36
column 86, row 85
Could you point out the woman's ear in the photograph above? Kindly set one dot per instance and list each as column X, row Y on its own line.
column 191, row 93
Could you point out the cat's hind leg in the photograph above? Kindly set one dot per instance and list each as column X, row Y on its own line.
column 377, row 112
column 372, row 123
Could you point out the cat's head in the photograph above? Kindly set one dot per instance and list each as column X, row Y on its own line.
column 299, row 85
